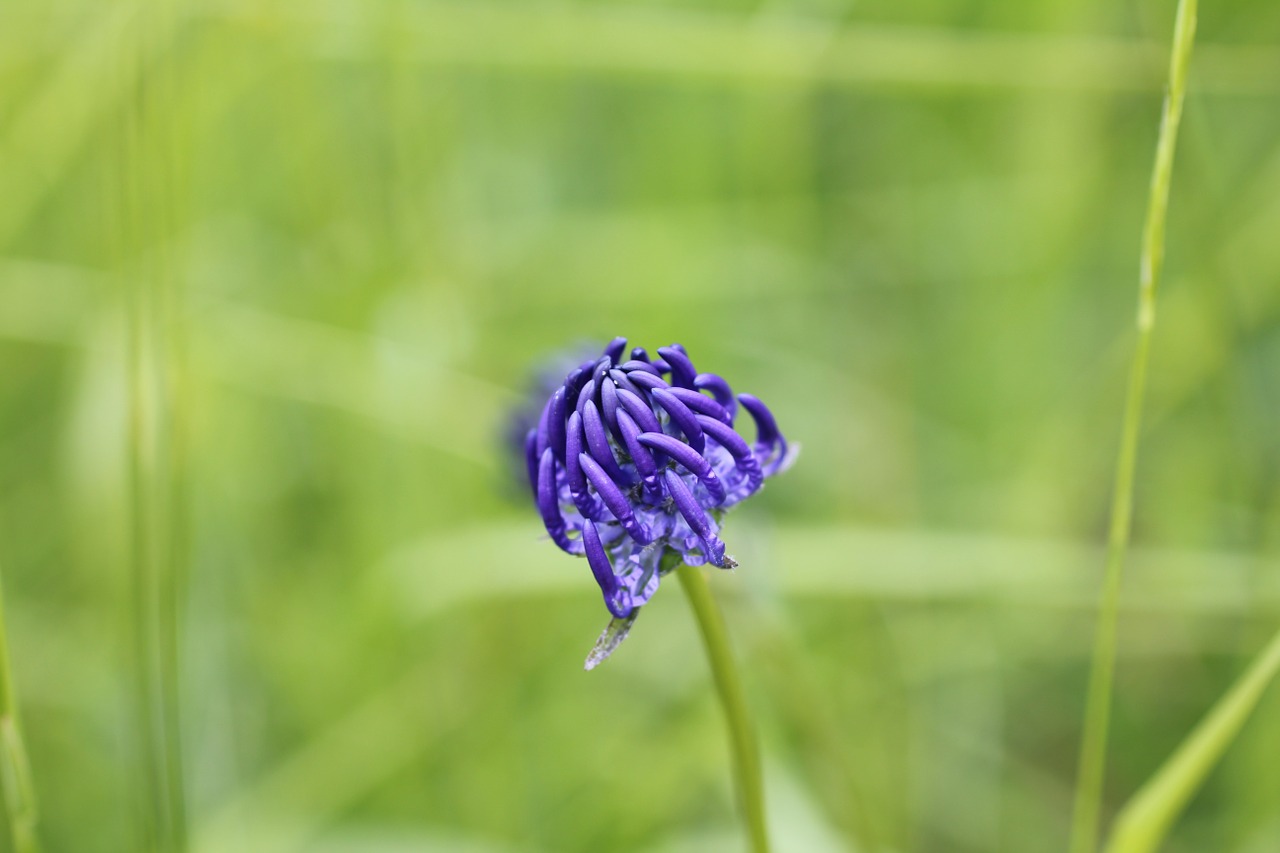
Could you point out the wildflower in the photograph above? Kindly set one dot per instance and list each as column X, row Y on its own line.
column 633, row 463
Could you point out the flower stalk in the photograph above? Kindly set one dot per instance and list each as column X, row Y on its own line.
column 747, row 775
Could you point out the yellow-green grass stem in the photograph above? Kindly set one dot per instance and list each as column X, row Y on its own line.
column 15, row 770
column 1093, row 748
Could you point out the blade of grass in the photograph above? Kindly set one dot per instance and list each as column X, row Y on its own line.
column 1093, row 747
column 15, row 772
column 701, row 46
column 1146, row 818
column 146, row 185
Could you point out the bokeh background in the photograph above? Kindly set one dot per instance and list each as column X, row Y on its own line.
column 272, row 275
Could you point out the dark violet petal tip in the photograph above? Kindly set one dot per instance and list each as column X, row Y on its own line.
column 641, row 367
column 738, row 449
column 586, row 395
column 573, row 386
column 602, row 368
column 681, row 416
column 682, row 369
column 615, row 349
column 646, row 380
column 621, row 382
column 688, row 507
column 589, row 506
column 771, row 447
column 614, row 499
column 701, row 404
column 719, row 389
column 766, row 426
column 640, row 454
column 690, row 459
column 549, row 502
column 639, row 354
column 616, row 597
column 598, row 445
column 609, row 405
column 544, row 428
column 639, row 410
column 555, row 424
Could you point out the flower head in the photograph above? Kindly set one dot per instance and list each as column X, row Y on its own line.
column 634, row 460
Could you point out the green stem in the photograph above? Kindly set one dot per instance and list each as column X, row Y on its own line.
column 149, row 174
column 15, row 772
column 748, row 778
column 1093, row 748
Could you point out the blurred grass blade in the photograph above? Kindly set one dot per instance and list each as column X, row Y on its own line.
column 1146, row 819
column 1093, row 747
column 148, row 181
column 15, row 772
column 690, row 45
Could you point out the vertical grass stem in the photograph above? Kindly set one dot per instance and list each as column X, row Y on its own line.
column 15, row 771
column 1093, row 748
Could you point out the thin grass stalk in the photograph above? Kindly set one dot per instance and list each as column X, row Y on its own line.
column 146, row 189
column 1093, row 747
column 15, row 770
column 747, row 773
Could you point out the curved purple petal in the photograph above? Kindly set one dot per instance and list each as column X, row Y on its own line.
column 621, row 381
column 615, row 349
column 694, row 514
column 544, row 428
column 647, row 381
column 643, row 415
column 640, row 454
column 635, row 366
column 602, row 368
column 770, row 445
column 701, row 403
column 766, row 426
column 719, row 389
column 598, row 445
column 681, row 416
column 555, row 424
column 609, row 405
column 586, row 395
column 573, row 386
column 616, row 597
column 639, row 410
column 738, row 449
column 690, row 459
column 589, row 506
column 682, row 370
column 549, row 502
column 614, row 499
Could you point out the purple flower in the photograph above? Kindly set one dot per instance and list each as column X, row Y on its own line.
column 634, row 460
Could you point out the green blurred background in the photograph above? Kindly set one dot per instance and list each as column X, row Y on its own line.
column 273, row 273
